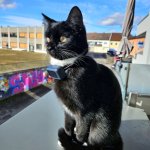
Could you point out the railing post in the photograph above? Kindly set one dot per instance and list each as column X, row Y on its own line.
column 8, row 29
column 18, row 37
column 35, row 38
column 28, row 43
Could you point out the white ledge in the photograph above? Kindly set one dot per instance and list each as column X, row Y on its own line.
column 35, row 128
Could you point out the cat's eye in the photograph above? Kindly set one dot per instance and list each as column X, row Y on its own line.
column 48, row 39
column 63, row 39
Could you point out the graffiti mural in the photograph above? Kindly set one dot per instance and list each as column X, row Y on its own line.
column 22, row 81
column 4, row 86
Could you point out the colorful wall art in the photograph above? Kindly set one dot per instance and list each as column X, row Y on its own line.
column 11, row 84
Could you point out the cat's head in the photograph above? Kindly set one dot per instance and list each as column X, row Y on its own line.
column 66, row 39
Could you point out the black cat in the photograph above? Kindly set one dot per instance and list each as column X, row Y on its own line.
column 90, row 94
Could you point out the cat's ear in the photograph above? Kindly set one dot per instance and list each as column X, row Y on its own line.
column 75, row 16
column 47, row 21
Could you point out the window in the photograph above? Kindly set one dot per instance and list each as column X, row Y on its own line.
column 23, row 45
column 13, row 45
column 31, row 47
column 100, row 45
column 39, row 35
column 4, row 34
column 13, row 34
column 91, row 43
column 39, row 46
column 140, row 44
column 31, row 35
column 4, row 44
column 22, row 34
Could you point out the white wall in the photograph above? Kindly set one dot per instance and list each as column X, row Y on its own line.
column 144, row 58
column 101, row 49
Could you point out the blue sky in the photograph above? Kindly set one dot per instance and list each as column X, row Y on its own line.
column 99, row 15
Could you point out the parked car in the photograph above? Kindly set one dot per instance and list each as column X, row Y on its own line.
column 112, row 52
column 97, row 55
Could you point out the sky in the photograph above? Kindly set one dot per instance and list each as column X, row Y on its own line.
column 99, row 15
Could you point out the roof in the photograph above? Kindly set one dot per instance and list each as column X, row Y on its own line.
column 98, row 36
column 144, row 18
column 142, row 35
column 116, row 37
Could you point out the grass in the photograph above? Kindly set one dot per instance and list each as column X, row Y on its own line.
column 11, row 60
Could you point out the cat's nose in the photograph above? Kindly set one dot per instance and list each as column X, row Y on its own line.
column 50, row 47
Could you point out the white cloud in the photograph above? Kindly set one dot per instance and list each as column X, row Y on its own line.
column 7, row 4
column 115, row 19
column 23, row 21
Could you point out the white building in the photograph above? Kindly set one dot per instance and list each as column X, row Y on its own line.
column 144, row 26
column 23, row 38
column 98, row 42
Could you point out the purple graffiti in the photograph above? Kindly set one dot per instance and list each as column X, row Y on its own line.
column 16, row 83
column 23, row 81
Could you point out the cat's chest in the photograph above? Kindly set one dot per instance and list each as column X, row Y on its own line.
column 69, row 85
column 65, row 88
column 68, row 95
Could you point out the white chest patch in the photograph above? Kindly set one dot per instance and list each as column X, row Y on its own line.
column 54, row 61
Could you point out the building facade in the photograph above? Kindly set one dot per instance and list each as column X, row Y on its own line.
column 98, row 42
column 23, row 38
column 138, row 44
column 32, row 39
column 115, row 39
column 144, row 27
column 102, row 42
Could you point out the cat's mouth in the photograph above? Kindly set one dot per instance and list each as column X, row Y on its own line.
column 62, row 54
column 55, row 55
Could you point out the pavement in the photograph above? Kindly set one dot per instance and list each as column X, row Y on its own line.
column 13, row 105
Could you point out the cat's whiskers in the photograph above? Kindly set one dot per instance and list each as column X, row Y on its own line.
column 69, row 53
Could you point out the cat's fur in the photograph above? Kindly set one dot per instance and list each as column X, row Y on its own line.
column 90, row 94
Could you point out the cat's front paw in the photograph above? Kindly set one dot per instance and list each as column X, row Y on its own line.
column 63, row 138
column 68, row 131
column 80, row 138
column 81, row 134
column 60, row 145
